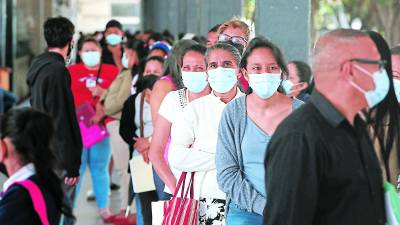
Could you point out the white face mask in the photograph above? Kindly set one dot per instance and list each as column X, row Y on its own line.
column 124, row 61
column 194, row 81
column 381, row 82
column 91, row 59
column 264, row 85
column 396, row 84
column 222, row 79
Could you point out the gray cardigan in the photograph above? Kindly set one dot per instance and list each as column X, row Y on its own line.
column 229, row 160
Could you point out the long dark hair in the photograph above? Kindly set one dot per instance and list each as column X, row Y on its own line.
column 385, row 117
column 31, row 133
column 262, row 42
column 141, row 51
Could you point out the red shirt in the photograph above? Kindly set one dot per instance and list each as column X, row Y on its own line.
column 82, row 77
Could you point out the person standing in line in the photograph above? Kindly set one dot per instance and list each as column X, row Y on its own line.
column 194, row 136
column 194, row 78
column 299, row 82
column 49, row 85
column 89, row 80
column 170, row 81
column 246, row 127
column 111, row 44
column 321, row 166
column 212, row 36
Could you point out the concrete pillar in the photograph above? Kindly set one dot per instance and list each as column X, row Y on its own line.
column 287, row 24
column 195, row 16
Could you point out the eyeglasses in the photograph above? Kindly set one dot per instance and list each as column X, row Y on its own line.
column 234, row 39
column 381, row 63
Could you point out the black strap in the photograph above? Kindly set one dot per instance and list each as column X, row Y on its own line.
column 141, row 114
column 98, row 73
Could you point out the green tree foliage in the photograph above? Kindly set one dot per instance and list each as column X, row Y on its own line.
column 380, row 15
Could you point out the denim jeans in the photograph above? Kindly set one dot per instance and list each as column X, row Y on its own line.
column 162, row 196
column 98, row 158
column 237, row 216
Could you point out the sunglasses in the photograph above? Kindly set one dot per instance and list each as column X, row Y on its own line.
column 234, row 39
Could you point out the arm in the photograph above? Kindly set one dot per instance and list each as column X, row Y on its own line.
column 161, row 133
column 160, row 90
column 230, row 178
column 117, row 93
column 292, row 176
column 182, row 155
column 127, row 125
column 60, row 105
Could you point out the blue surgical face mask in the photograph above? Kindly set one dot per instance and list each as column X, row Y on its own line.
column 287, row 86
column 124, row 61
column 194, row 81
column 396, row 84
column 114, row 39
column 222, row 79
column 381, row 82
column 265, row 85
column 91, row 59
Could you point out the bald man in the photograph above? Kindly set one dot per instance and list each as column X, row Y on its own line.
column 320, row 166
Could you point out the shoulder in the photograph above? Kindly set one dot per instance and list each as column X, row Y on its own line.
column 164, row 84
column 237, row 104
column 110, row 68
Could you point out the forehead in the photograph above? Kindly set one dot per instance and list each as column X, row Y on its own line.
column 291, row 68
column 153, row 63
column 261, row 55
column 220, row 55
column 234, row 31
column 193, row 55
column 113, row 30
column 89, row 44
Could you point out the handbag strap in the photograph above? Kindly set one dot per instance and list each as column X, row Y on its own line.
column 38, row 202
column 141, row 114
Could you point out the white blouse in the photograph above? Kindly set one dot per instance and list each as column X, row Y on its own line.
column 193, row 143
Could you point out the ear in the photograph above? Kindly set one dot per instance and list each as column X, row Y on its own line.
column 346, row 71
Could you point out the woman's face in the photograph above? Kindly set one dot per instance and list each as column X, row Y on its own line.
column 221, row 58
column 193, row 62
column 132, row 57
column 262, row 60
column 89, row 47
column 153, row 67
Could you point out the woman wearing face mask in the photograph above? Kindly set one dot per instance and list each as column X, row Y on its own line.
column 194, row 135
column 246, row 127
column 170, row 81
column 299, row 80
column 194, row 78
column 383, row 117
column 89, row 80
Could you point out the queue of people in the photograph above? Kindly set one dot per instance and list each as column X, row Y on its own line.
column 265, row 141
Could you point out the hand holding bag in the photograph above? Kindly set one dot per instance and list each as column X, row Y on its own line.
column 181, row 210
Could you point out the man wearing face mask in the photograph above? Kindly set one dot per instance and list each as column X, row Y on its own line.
column 111, row 44
column 321, row 166
column 49, row 85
